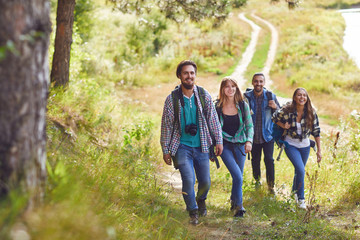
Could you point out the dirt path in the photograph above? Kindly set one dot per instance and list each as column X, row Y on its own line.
column 239, row 71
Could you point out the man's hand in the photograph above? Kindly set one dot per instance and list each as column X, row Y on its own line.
column 272, row 104
column 219, row 148
column 319, row 156
column 167, row 159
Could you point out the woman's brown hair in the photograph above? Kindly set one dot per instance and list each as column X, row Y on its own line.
column 238, row 95
column 308, row 108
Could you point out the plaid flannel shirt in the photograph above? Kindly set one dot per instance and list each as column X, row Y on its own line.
column 283, row 117
column 170, row 134
column 246, row 131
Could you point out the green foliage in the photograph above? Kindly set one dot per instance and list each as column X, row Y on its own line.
column 238, row 3
column 153, row 44
column 10, row 209
column 144, row 39
column 178, row 11
column 337, row 4
column 8, row 47
column 83, row 19
column 101, row 163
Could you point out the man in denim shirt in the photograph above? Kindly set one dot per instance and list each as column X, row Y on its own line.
column 186, row 139
column 262, row 104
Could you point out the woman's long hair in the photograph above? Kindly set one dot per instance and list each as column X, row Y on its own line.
column 222, row 97
column 308, row 108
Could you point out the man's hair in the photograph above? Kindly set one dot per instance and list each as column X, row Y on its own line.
column 184, row 63
column 258, row 74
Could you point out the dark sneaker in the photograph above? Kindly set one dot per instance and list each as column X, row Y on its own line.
column 257, row 185
column 271, row 188
column 239, row 212
column 194, row 217
column 202, row 208
column 271, row 191
column 232, row 207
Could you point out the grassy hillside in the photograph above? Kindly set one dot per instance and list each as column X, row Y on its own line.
column 310, row 55
column 103, row 150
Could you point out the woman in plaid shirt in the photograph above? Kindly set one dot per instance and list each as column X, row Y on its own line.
column 237, row 131
column 299, row 120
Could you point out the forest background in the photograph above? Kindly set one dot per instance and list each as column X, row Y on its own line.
column 104, row 161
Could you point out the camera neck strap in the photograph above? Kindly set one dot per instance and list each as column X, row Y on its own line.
column 182, row 102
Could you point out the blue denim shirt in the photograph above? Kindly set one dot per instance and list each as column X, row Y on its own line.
column 267, row 124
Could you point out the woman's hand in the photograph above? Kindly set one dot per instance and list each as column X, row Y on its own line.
column 219, row 149
column 248, row 147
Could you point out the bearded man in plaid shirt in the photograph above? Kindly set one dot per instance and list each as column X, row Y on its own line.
column 186, row 138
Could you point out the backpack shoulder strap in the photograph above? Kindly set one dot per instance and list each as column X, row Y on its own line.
column 269, row 95
column 242, row 108
column 201, row 92
column 247, row 93
column 217, row 108
column 175, row 95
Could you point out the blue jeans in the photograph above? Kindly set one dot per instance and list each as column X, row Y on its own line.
column 188, row 160
column 236, row 169
column 298, row 157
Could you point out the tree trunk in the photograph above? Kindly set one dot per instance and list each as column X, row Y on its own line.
column 63, row 39
column 24, row 79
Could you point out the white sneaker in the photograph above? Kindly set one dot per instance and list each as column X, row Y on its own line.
column 302, row 204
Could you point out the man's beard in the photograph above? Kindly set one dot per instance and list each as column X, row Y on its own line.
column 257, row 89
column 188, row 86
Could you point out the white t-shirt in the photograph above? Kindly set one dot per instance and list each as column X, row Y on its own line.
column 295, row 141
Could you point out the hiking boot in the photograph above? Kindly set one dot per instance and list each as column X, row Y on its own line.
column 271, row 188
column 202, row 208
column 302, row 204
column 271, row 191
column 239, row 212
column 194, row 217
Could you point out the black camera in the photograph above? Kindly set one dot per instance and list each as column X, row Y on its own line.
column 191, row 129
